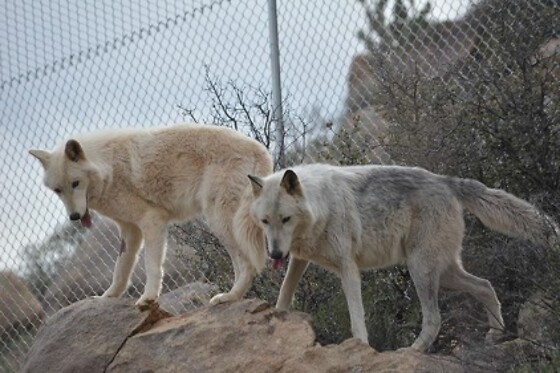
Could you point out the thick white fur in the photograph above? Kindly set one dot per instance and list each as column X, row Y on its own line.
column 145, row 178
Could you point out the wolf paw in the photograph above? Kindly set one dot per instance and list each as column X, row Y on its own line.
column 222, row 298
column 104, row 296
column 407, row 350
column 145, row 303
column 111, row 293
column 107, row 295
column 494, row 336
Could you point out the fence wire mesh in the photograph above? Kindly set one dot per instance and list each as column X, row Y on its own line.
column 363, row 82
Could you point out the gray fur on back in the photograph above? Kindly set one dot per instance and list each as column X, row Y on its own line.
column 377, row 192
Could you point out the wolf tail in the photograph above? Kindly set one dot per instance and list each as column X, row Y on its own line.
column 505, row 213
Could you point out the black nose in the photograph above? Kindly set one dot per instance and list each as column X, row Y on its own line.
column 276, row 254
column 74, row 216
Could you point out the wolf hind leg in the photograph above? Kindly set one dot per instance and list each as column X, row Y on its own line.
column 456, row 278
column 126, row 261
column 296, row 268
column 426, row 281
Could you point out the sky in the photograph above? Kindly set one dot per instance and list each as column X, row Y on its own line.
column 77, row 66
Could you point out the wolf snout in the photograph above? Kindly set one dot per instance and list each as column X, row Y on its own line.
column 75, row 216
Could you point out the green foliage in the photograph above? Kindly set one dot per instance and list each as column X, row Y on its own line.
column 392, row 308
column 498, row 111
column 550, row 365
column 320, row 294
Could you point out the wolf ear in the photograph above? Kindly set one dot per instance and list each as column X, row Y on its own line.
column 290, row 182
column 41, row 155
column 257, row 184
column 74, row 151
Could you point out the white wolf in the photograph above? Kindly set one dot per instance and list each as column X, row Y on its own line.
column 351, row 218
column 145, row 178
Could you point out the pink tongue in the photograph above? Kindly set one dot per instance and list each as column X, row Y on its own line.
column 278, row 263
column 86, row 220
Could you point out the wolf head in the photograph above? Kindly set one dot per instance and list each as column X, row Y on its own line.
column 280, row 208
column 68, row 173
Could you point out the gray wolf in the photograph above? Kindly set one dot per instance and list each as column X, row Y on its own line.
column 144, row 179
column 348, row 219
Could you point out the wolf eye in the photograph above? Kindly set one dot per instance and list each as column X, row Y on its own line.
column 265, row 221
column 57, row 190
column 286, row 219
column 75, row 184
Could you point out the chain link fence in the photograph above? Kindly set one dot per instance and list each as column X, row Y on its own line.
column 432, row 83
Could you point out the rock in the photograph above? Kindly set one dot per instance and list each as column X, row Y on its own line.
column 85, row 336
column 187, row 298
column 18, row 305
column 89, row 271
column 354, row 356
column 503, row 357
column 538, row 328
column 245, row 336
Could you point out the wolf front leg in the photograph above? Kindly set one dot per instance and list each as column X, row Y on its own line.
column 296, row 269
column 351, row 285
column 126, row 261
column 155, row 237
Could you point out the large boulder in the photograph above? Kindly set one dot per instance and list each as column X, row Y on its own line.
column 86, row 336
column 503, row 357
column 246, row 336
column 187, row 297
column 90, row 269
column 18, row 305
column 111, row 335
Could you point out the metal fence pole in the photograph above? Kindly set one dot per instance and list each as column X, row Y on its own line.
column 277, row 112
